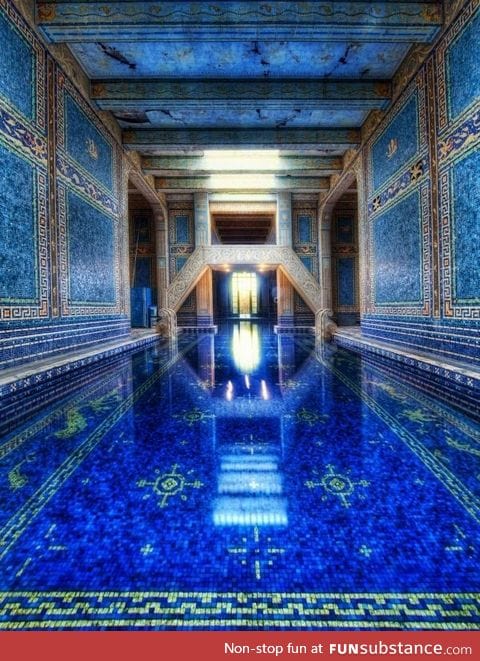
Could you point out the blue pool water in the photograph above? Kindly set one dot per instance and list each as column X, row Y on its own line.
column 244, row 480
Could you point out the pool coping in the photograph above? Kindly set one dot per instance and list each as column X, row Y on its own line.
column 453, row 372
column 22, row 377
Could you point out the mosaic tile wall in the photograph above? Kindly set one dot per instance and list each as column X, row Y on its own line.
column 62, row 281
column 305, row 244
column 142, row 243
column 423, row 229
column 305, row 233
column 344, row 238
column 181, row 233
column 181, row 242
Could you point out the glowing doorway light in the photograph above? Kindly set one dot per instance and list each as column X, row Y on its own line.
column 241, row 160
column 244, row 294
column 246, row 347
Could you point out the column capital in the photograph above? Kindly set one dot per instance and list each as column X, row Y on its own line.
column 159, row 217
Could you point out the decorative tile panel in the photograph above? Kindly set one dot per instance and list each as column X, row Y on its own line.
column 83, row 143
column 22, row 69
column 400, row 252
column 458, row 71
column 346, row 281
column 305, row 235
column 460, row 237
column 23, row 222
column 181, row 235
column 90, row 270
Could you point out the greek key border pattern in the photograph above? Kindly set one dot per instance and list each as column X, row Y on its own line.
column 83, row 178
column 231, row 610
column 81, row 309
column 17, row 311
column 424, row 308
column 40, row 120
column 450, row 309
column 452, row 33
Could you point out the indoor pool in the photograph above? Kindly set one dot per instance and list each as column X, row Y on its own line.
column 239, row 480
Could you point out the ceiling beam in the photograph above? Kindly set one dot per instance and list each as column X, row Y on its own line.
column 92, row 20
column 247, row 183
column 164, row 166
column 156, row 94
column 186, row 140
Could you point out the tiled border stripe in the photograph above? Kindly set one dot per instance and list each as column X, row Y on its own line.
column 257, row 610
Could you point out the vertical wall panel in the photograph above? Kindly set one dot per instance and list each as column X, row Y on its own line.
column 61, row 219
column 423, row 228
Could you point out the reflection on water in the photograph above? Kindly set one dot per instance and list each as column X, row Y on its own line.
column 250, row 484
column 246, row 347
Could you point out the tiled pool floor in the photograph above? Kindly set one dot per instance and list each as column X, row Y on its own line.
column 239, row 481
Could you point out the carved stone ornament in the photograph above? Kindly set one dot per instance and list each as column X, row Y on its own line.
column 281, row 256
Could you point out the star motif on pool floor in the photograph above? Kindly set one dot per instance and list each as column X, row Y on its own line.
column 169, row 484
column 193, row 416
column 336, row 484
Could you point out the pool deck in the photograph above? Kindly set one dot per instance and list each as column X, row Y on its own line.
column 22, row 376
column 459, row 372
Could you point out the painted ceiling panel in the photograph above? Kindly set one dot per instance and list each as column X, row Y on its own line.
column 248, row 59
column 245, row 116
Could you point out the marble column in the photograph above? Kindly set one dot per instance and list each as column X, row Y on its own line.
column 202, row 220
column 284, row 219
column 325, row 255
column 205, row 299
column 285, row 300
column 161, row 250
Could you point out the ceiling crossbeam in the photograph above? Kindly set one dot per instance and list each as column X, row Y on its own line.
column 187, row 140
column 314, row 21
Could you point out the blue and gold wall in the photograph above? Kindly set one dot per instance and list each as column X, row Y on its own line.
column 142, row 244
column 62, row 223
column 344, row 240
column 181, row 244
column 305, row 244
column 422, row 230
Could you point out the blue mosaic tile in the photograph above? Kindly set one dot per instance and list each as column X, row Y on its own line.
column 17, row 69
column 85, row 144
column 453, row 339
column 463, row 70
column 466, row 229
column 18, row 278
column 345, row 267
column 397, row 253
column 304, row 228
column 241, row 495
column 399, row 142
column 182, row 229
column 90, row 237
